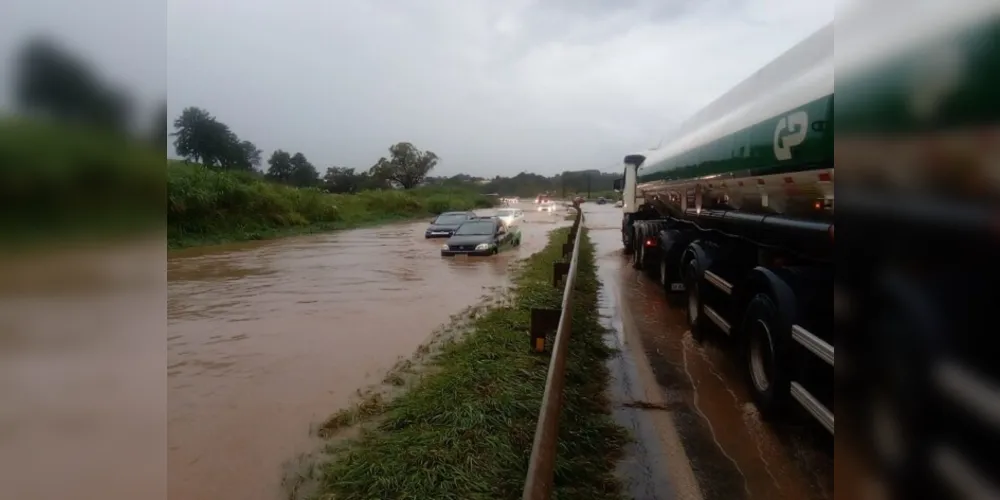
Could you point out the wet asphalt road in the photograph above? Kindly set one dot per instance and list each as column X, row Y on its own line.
column 699, row 436
column 265, row 339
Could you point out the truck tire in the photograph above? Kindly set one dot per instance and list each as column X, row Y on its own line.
column 900, row 409
column 637, row 252
column 694, row 307
column 673, row 297
column 765, row 348
column 664, row 275
column 628, row 239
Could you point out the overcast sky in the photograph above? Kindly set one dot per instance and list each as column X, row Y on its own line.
column 492, row 86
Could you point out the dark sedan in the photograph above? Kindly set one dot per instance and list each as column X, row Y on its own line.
column 444, row 225
column 482, row 236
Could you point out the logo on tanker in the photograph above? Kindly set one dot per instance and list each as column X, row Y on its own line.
column 791, row 131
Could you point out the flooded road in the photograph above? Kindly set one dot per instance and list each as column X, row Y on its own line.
column 268, row 338
column 701, row 401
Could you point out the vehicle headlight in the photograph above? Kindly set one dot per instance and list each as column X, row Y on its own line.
column 444, row 247
column 483, row 246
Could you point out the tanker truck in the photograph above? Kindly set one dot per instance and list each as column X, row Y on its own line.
column 734, row 218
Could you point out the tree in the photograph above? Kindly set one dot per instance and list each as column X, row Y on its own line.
column 346, row 180
column 406, row 165
column 250, row 154
column 200, row 137
column 304, row 174
column 280, row 167
column 230, row 155
column 50, row 80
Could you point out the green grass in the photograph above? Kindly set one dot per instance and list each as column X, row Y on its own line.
column 206, row 207
column 465, row 430
column 61, row 184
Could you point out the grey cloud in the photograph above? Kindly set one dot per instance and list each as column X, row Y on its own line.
column 492, row 87
column 124, row 40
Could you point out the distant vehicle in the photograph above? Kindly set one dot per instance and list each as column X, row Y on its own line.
column 481, row 236
column 547, row 206
column 542, row 198
column 601, row 201
column 510, row 216
column 444, row 225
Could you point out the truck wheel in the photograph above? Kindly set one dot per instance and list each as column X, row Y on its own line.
column 665, row 282
column 694, row 306
column 637, row 254
column 899, row 409
column 635, row 251
column 764, row 351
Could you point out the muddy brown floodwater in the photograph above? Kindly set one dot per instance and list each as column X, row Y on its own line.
column 732, row 453
column 268, row 338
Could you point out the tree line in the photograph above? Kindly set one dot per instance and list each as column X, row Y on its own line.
column 526, row 184
column 51, row 81
column 201, row 138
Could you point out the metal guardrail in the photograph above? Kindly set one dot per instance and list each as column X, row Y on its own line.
column 541, row 467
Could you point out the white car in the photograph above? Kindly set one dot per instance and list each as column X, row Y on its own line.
column 510, row 216
column 547, row 206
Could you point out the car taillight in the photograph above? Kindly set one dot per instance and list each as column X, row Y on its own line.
column 650, row 242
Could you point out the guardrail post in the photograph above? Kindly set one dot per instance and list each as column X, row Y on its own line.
column 543, row 322
column 559, row 271
column 567, row 249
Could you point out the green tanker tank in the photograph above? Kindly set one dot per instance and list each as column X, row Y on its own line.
column 766, row 145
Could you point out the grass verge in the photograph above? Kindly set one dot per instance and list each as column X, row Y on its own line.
column 208, row 207
column 465, row 430
column 62, row 184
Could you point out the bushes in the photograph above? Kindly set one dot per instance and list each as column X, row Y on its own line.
column 209, row 206
column 59, row 181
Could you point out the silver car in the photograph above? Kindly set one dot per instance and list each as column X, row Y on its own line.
column 510, row 216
